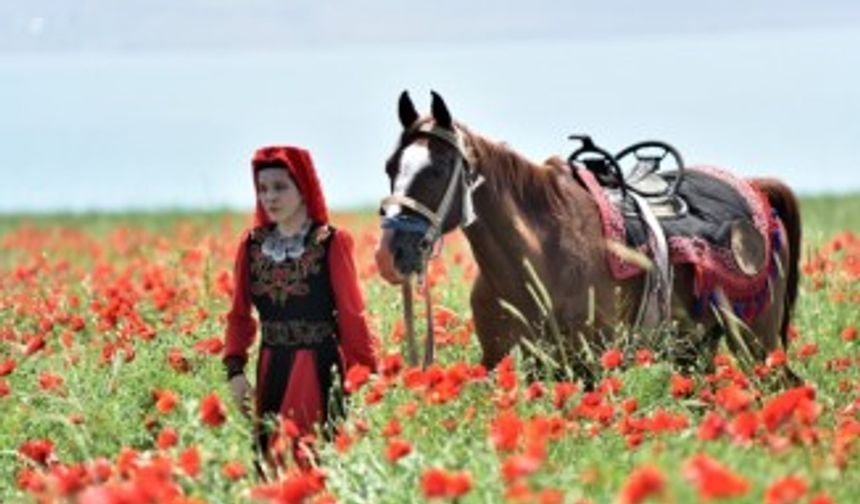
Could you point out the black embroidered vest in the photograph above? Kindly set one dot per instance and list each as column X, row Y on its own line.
column 293, row 290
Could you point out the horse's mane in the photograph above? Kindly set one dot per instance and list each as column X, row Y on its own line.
column 533, row 185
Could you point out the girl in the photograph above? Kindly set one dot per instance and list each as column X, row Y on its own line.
column 298, row 273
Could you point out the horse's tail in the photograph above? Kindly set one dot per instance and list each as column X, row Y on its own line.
column 785, row 202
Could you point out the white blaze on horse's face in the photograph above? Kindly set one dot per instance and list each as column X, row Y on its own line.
column 413, row 159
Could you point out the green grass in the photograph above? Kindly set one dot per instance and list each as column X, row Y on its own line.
column 113, row 396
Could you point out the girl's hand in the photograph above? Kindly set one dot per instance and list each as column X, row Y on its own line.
column 241, row 390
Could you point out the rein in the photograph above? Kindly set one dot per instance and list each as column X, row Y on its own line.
column 409, row 320
column 463, row 176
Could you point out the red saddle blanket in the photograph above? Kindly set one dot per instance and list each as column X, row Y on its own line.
column 701, row 237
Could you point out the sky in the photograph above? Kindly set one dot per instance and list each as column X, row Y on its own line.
column 168, row 25
column 122, row 104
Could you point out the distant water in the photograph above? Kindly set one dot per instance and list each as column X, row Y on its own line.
column 96, row 131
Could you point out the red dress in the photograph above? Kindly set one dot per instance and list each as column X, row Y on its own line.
column 312, row 323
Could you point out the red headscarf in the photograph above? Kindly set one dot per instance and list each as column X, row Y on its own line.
column 299, row 164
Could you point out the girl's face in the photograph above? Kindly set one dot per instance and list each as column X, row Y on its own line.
column 278, row 194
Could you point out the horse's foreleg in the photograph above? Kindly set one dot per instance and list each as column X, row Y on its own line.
column 494, row 327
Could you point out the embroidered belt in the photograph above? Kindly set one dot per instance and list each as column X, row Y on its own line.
column 296, row 333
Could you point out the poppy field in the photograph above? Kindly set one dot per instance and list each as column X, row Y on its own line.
column 112, row 388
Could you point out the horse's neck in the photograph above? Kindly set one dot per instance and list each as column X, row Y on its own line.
column 502, row 237
column 509, row 228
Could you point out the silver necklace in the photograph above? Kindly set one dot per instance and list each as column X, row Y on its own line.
column 278, row 247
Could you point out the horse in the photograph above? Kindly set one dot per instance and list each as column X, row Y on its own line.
column 535, row 228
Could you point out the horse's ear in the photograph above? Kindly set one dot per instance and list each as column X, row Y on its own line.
column 406, row 110
column 440, row 111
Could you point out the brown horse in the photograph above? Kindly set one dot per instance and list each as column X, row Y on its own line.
column 516, row 213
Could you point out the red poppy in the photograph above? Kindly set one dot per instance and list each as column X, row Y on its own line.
column 681, row 386
column 779, row 409
column 177, row 360
column 165, row 400
column 38, row 450
column 391, row 365
column 821, row 499
column 535, row 391
column 189, row 461
column 443, row 391
column 100, row 469
column 34, row 344
column 397, row 448
column 443, row 317
column 787, row 490
column 550, row 496
column 356, row 376
column 361, row 426
column 712, row 479
column 518, row 491
column 295, row 487
column 459, row 484
column 397, row 331
column 630, row 405
column 413, row 378
column 664, row 421
column 7, row 366
column 49, row 381
column 644, row 357
column 610, row 385
column 744, row 426
column 233, row 470
column 711, row 427
column 611, row 358
column 733, row 398
column 849, row 333
column 167, row 438
column 31, row 480
column 777, row 358
column 434, row 483
column 807, row 350
column 212, row 411
column 127, row 461
column 289, row 429
column 517, row 466
column 407, row 409
column 505, row 431
column 210, row 346
column 342, row 441
column 392, row 429
column 506, row 375
column 643, row 482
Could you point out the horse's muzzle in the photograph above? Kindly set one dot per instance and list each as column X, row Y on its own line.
column 398, row 254
column 385, row 259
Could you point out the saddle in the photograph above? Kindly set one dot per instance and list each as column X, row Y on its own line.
column 702, row 216
column 643, row 184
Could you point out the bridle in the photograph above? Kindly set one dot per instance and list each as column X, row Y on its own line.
column 463, row 176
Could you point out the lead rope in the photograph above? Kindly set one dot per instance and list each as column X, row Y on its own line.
column 409, row 320
column 429, row 339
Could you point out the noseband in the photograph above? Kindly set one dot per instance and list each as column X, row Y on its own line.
column 462, row 175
